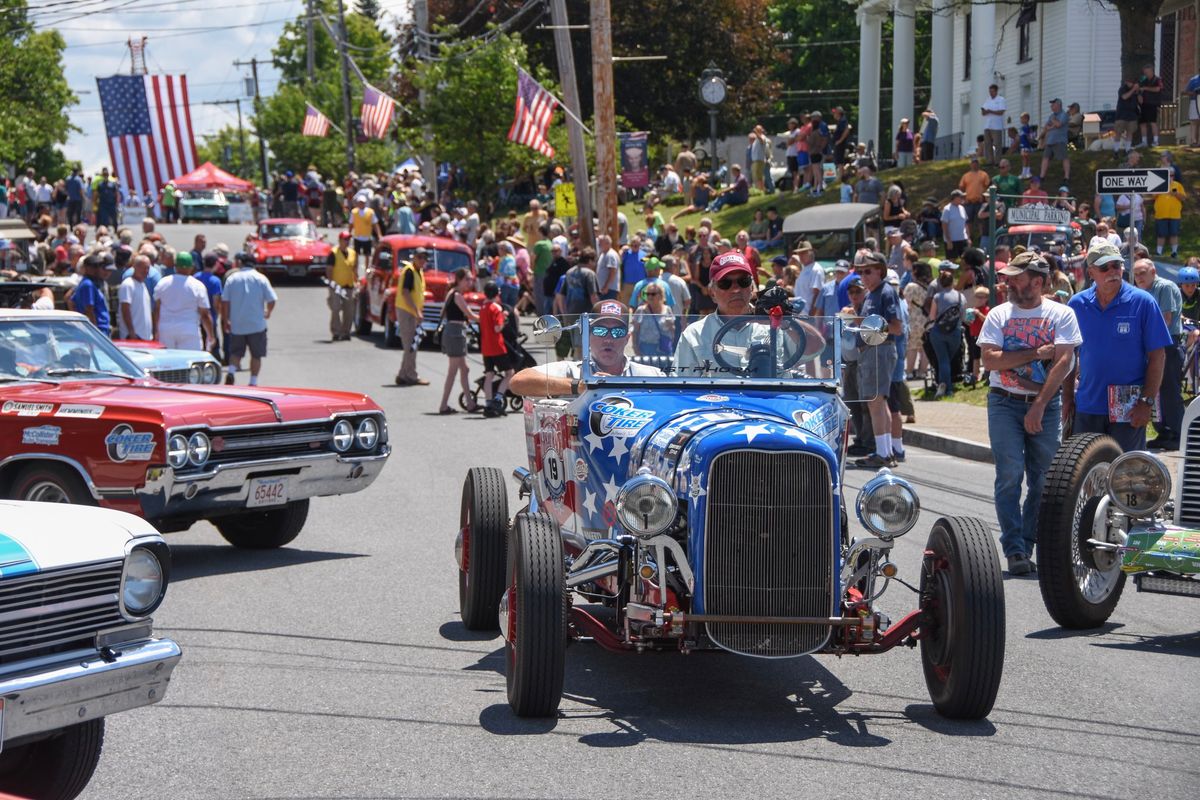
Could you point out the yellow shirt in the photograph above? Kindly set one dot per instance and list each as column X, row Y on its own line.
column 411, row 302
column 1169, row 206
column 362, row 222
column 345, row 267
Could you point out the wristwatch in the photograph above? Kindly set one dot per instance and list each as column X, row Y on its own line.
column 1146, row 400
column 575, row 387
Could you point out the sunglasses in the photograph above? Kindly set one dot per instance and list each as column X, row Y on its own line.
column 1103, row 268
column 743, row 282
column 653, row 294
column 616, row 332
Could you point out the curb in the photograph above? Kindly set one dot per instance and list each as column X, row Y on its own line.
column 950, row 445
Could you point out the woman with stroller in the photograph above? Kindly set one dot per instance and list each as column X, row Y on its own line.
column 454, row 339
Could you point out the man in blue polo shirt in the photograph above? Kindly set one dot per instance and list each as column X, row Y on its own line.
column 1121, row 361
column 89, row 297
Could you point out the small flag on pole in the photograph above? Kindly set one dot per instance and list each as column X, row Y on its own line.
column 535, row 109
column 315, row 123
column 376, row 112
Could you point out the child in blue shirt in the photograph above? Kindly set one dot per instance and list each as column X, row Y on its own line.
column 1027, row 140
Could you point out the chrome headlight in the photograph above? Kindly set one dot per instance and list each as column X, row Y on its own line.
column 209, row 372
column 1138, row 484
column 646, row 506
column 142, row 583
column 367, row 434
column 177, row 451
column 198, row 449
column 888, row 506
column 194, row 373
column 343, row 435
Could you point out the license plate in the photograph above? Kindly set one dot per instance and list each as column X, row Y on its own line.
column 297, row 270
column 267, row 492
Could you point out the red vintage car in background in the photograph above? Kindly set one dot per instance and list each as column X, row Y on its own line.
column 377, row 292
column 291, row 247
column 81, row 423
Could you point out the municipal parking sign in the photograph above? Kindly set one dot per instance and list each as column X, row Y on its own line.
column 1142, row 181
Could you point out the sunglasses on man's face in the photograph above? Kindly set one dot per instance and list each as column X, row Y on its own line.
column 743, row 282
column 616, row 331
column 1103, row 268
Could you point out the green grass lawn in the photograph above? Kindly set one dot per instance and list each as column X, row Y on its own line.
column 939, row 178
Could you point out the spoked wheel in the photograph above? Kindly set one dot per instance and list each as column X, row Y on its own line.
column 533, row 617
column 1080, row 586
column 464, row 397
column 962, row 591
column 480, row 548
column 50, row 483
column 516, row 403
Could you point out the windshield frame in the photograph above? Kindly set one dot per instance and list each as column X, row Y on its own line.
column 95, row 339
column 678, row 381
column 309, row 233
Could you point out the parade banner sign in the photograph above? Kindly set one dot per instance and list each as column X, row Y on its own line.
column 635, row 163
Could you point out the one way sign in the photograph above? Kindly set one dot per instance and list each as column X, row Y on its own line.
column 1142, row 181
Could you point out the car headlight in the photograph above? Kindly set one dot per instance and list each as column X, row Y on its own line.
column 343, row 435
column 177, row 451
column 198, row 449
column 209, row 372
column 143, row 582
column 367, row 434
column 646, row 506
column 888, row 506
column 194, row 374
column 1138, row 484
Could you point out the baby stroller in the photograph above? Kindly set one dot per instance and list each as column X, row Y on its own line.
column 513, row 402
column 957, row 363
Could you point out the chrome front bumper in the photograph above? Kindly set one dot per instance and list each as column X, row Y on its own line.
column 58, row 693
column 225, row 489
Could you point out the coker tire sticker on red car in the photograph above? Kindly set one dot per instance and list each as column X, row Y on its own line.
column 125, row 444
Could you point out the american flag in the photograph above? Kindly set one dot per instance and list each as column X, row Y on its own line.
column 535, row 108
column 376, row 112
column 149, row 127
column 315, row 123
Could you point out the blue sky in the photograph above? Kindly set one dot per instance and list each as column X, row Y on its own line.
column 96, row 48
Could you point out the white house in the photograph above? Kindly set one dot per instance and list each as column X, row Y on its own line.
column 1034, row 52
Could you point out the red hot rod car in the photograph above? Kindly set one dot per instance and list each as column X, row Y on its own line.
column 81, row 423
column 289, row 247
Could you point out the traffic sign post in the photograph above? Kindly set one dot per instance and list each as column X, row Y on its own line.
column 1038, row 215
column 564, row 200
column 1142, row 181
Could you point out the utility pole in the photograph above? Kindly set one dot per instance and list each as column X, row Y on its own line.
column 241, row 131
column 570, row 89
column 605, row 123
column 309, row 25
column 262, row 147
column 421, row 21
column 346, row 86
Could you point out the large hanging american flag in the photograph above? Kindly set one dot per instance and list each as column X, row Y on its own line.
column 315, row 123
column 149, row 127
column 376, row 112
column 535, row 109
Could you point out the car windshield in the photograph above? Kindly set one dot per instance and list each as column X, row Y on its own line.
column 441, row 260
column 1041, row 239
column 205, row 194
column 62, row 349
column 287, row 230
column 714, row 350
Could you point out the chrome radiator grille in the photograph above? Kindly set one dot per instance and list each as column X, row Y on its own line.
column 171, row 375
column 1189, row 476
column 769, row 550
column 58, row 610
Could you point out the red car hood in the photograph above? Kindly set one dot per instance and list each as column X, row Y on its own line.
column 297, row 248
column 214, row 406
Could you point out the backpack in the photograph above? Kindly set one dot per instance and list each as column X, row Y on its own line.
column 576, row 290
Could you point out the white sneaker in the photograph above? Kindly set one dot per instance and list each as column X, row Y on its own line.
column 941, row 392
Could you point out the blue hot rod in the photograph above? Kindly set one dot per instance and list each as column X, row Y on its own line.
column 693, row 500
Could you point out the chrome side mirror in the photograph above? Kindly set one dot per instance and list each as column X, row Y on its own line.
column 873, row 330
column 547, row 329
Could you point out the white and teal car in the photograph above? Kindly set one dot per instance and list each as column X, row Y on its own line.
column 203, row 204
column 77, row 587
column 172, row 366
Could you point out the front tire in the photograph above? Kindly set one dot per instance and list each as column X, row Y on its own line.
column 50, row 483
column 483, row 526
column 1076, row 593
column 57, row 768
column 391, row 330
column 362, row 319
column 264, row 530
column 534, row 617
column 962, row 590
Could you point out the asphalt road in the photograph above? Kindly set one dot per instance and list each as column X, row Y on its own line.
column 337, row 667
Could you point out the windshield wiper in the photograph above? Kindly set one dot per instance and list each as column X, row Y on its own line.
column 87, row 371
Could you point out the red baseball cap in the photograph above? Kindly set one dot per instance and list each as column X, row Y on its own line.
column 344, row 235
column 733, row 261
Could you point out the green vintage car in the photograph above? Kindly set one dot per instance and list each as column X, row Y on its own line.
column 203, row 204
column 1107, row 515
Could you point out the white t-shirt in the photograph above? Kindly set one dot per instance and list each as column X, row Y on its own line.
column 1132, row 204
column 134, row 293
column 574, row 370
column 1010, row 327
column 995, row 122
column 810, row 279
column 182, row 298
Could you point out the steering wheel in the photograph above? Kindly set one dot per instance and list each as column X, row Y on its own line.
column 757, row 360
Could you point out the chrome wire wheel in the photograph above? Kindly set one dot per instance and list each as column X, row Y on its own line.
column 1094, row 585
column 46, row 492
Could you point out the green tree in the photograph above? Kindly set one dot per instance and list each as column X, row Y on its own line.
column 369, row 9
column 368, row 46
column 34, row 95
column 215, row 146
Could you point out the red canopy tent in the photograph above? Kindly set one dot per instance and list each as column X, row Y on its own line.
column 209, row 176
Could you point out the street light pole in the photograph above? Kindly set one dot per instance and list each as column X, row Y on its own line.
column 605, row 124
column 349, row 115
column 570, row 89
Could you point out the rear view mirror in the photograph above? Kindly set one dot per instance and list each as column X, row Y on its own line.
column 547, row 329
column 873, row 330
